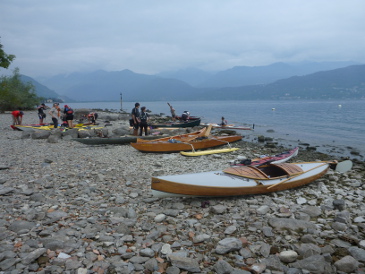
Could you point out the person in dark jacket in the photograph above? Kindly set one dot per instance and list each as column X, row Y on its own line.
column 69, row 115
column 41, row 114
column 144, row 122
column 136, row 118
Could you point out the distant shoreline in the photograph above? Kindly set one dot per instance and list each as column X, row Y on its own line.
column 332, row 149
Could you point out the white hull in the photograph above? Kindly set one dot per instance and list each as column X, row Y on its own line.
column 219, row 183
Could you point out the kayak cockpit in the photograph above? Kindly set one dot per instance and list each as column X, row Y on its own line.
column 267, row 172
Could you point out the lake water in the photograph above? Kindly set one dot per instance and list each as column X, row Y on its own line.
column 333, row 125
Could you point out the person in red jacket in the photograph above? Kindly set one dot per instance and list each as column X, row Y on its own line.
column 17, row 117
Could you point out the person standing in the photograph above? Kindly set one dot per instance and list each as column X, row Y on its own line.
column 55, row 113
column 136, row 118
column 17, row 117
column 144, row 122
column 173, row 113
column 69, row 115
column 41, row 114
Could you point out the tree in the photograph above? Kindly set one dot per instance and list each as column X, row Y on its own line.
column 15, row 94
column 5, row 59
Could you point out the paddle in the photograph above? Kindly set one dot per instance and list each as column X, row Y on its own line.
column 343, row 166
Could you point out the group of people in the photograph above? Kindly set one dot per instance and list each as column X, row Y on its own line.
column 55, row 112
column 67, row 115
column 139, row 120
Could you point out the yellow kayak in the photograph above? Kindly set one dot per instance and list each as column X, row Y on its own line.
column 50, row 127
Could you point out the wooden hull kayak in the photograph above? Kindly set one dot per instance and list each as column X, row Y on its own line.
column 240, row 180
column 275, row 159
column 184, row 142
column 182, row 137
column 180, row 124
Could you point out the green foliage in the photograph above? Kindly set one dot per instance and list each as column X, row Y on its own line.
column 15, row 94
column 5, row 59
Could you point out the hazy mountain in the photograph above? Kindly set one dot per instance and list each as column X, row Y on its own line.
column 346, row 82
column 165, row 89
column 99, row 85
column 107, row 86
column 42, row 90
column 343, row 83
column 192, row 76
column 244, row 75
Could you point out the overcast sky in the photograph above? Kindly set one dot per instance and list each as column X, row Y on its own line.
column 149, row 36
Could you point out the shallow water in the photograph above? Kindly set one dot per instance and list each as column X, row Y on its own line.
column 333, row 125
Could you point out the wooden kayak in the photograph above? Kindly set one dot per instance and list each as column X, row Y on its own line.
column 275, row 159
column 178, row 124
column 207, row 152
column 181, row 137
column 242, row 180
column 193, row 141
column 113, row 141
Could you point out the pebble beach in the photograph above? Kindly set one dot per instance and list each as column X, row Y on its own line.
column 68, row 207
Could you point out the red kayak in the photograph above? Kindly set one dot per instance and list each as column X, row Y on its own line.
column 276, row 159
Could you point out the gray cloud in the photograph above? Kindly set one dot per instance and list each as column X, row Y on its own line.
column 51, row 37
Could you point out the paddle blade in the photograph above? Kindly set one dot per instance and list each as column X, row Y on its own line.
column 209, row 129
column 343, row 166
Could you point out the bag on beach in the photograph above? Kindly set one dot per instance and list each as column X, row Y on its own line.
column 131, row 122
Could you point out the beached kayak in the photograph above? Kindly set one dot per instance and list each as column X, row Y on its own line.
column 243, row 180
column 185, row 142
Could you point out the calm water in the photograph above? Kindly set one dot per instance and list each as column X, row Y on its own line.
column 329, row 124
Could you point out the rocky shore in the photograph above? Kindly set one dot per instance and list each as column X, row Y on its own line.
column 67, row 207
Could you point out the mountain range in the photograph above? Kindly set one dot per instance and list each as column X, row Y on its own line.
column 275, row 81
column 244, row 75
column 343, row 83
